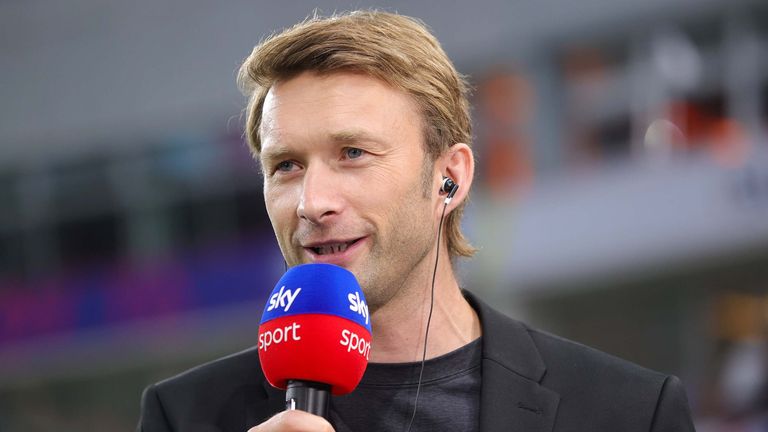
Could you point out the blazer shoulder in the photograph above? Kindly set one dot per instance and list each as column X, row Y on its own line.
column 602, row 389
column 595, row 391
column 584, row 365
column 218, row 395
column 237, row 368
column 541, row 356
column 551, row 359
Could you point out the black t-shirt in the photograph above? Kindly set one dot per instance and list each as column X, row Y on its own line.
column 449, row 398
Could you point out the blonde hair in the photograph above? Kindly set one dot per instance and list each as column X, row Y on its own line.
column 396, row 49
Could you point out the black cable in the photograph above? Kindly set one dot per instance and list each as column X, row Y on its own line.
column 429, row 318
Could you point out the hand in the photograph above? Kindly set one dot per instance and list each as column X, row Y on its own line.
column 294, row 421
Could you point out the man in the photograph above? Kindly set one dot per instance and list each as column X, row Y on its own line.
column 357, row 120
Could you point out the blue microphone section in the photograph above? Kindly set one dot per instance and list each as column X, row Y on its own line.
column 318, row 289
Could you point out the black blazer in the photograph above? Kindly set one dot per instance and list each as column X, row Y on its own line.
column 531, row 382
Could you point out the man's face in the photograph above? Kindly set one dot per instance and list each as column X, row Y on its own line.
column 343, row 165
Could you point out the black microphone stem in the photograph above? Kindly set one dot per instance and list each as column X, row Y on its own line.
column 309, row 396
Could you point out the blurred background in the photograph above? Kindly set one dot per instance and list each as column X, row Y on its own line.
column 621, row 196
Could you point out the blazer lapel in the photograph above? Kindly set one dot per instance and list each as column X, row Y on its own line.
column 511, row 398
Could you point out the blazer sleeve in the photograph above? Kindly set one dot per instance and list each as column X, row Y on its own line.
column 672, row 411
column 153, row 418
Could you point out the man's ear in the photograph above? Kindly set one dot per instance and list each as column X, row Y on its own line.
column 458, row 164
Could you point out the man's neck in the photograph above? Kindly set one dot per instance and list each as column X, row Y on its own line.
column 399, row 327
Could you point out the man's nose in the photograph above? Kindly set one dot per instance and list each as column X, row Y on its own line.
column 320, row 197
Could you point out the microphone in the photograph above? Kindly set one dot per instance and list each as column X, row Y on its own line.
column 315, row 336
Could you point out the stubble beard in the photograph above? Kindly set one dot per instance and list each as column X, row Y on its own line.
column 391, row 268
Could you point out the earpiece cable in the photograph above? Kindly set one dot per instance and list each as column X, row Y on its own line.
column 429, row 317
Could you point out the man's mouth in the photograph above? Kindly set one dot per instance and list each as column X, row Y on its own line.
column 332, row 248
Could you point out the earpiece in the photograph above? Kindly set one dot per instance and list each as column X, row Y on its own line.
column 448, row 187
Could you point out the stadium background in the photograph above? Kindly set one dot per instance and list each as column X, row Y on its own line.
column 621, row 197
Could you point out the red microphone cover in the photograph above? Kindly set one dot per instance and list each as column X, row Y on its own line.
column 315, row 327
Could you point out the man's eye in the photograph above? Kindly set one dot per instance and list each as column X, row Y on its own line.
column 284, row 166
column 353, row 153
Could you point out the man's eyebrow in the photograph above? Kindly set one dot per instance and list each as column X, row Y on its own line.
column 351, row 136
column 272, row 154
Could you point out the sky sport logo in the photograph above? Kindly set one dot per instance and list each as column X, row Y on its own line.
column 283, row 298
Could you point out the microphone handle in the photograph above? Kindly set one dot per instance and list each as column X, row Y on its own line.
column 312, row 397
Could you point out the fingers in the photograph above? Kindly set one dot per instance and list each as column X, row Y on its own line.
column 294, row 421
